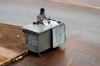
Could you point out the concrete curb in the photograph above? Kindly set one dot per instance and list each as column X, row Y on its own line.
column 15, row 59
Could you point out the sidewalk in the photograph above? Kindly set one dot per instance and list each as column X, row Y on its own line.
column 11, row 48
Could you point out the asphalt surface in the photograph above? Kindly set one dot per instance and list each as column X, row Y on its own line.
column 82, row 30
column 89, row 2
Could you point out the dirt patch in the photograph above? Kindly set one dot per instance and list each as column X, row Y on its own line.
column 8, row 37
column 2, row 58
column 1, row 35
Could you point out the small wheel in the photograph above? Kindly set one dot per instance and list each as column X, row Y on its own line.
column 58, row 47
column 39, row 55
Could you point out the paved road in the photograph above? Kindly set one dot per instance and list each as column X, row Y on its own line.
column 82, row 28
column 89, row 2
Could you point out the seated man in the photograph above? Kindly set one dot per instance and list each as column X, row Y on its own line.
column 41, row 16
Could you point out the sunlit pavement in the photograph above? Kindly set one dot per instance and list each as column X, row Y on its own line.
column 82, row 30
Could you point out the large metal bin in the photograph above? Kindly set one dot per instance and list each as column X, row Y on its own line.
column 40, row 37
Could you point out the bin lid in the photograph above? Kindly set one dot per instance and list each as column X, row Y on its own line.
column 36, row 28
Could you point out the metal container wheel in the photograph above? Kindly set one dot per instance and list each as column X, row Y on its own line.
column 39, row 55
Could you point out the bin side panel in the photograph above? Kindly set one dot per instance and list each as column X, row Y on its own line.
column 56, row 36
column 62, row 34
column 44, row 41
column 31, row 42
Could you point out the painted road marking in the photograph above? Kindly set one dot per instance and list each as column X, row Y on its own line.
column 76, row 3
column 70, row 61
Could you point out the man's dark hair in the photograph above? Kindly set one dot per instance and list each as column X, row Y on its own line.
column 42, row 9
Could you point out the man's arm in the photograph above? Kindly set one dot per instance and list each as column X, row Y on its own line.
column 40, row 22
column 46, row 19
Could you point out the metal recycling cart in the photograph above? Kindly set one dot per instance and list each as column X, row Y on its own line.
column 40, row 37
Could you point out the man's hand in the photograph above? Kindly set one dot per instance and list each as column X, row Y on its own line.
column 46, row 19
column 41, row 22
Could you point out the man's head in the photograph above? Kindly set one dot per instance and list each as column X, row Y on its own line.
column 42, row 10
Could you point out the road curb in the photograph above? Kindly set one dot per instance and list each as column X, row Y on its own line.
column 15, row 59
